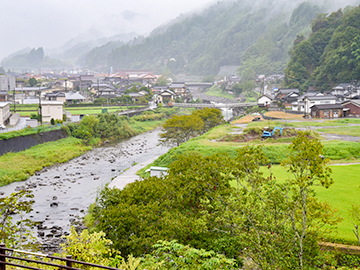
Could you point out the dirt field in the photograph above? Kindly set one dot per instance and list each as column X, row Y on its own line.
column 246, row 119
column 256, row 134
column 284, row 115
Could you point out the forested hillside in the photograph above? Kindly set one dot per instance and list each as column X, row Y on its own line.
column 330, row 55
column 35, row 58
column 257, row 37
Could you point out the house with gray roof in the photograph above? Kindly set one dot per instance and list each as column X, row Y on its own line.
column 74, row 97
column 317, row 100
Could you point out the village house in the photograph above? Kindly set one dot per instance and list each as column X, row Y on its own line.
column 264, row 100
column 310, row 101
column 299, row 104
column 159, row 89
column 4, row 112
column 74, row 97
column 281, row 93
column 288, row 99
column 327, row 111
column 55, row 96
column 165, row 97
column 135, row 96
column 51, row 109
column 352, row 108
column 179, row 88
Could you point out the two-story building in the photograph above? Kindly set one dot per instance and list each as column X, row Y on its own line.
column 310, row 101
column 52, row 109
column 299, row 104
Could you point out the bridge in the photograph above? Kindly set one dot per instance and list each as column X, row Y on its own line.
column 217, row 105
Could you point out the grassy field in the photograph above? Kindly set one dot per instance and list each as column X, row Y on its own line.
column 350, row 130
column 28, row 109
column 217, row 93
column 341, row 195
column 97, row 110
column 37, row 157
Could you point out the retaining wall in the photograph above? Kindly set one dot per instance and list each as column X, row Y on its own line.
column 22, row 143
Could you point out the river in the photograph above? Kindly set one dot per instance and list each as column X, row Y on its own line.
column 64, row 192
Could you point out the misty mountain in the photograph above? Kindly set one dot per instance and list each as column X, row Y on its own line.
column 77, row 48
column 257, row 35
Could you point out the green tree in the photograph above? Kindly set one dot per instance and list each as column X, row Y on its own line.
column 183, row 205
column 179, row 129
column 280, row 223
column 32, row 82
column 210, row 116
column 172, row 255
column 12, row 234
column 355, row 218
column 88, row 247
column 309, row 169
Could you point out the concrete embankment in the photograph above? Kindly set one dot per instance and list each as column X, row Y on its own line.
column 22, row 143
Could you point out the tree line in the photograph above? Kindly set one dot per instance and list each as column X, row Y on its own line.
column 330, row 55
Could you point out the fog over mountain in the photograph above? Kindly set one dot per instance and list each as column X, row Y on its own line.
column 50, row 24
column 66, row 28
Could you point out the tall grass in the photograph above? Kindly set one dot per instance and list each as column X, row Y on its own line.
column 27, row 131
column 19, row 166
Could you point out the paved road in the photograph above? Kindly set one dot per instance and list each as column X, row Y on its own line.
column 20, row 125
column 130, row 175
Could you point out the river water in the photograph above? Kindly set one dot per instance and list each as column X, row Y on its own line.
column 64, row 192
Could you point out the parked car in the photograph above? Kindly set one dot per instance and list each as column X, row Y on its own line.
column 2, row 126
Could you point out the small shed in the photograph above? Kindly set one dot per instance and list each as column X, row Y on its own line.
column 327, row 111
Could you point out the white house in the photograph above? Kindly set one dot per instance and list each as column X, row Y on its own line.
column 52, row 109
column 299, row 105
column 264, row 100
column 4, row 112
column 317, row 100
column 67, row 84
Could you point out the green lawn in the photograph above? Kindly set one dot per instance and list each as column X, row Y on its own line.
column 341, row 195
column 28, row 109
column 349, row 130
column 216, row 93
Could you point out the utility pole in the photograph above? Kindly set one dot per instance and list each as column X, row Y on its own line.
column 40, row 109
column 13, row 95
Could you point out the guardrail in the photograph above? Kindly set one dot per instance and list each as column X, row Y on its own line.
column 8, row 257
column 211, row 105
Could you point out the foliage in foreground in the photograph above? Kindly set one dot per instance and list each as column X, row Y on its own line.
column 17, row 203
column 278, row 223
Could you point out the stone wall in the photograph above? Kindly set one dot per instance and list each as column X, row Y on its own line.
column 22, row 143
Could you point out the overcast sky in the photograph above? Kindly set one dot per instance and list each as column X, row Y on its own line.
column 50, row 23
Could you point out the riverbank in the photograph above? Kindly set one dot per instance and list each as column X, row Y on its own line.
column 21, row 165
column 63, row 192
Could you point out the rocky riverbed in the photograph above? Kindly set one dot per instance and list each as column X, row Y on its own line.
column 64, row 192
